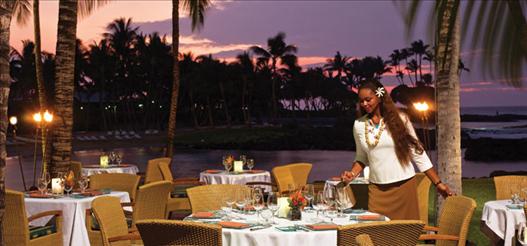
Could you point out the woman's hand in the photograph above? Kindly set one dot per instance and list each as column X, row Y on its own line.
column 347, row 176
column 444, row 190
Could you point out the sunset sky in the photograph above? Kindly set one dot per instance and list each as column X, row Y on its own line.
column 317, row 28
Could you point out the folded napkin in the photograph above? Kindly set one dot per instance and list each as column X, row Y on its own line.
column 255, row 171
column 233, row 225
column 335, row 178
column 514, row 206
column 203, row 215
column 322, row 227
column 213, row 171
column 39, row 195
column 368, row 217
column 123, row 165
column 92, row 193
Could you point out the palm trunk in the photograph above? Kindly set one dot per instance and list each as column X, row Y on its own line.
column 244, row 106
column 6, row 10
column 64, row 79
column 447, row 100
column 226, row 108
column 175, row 78
column 38, row 58
column 193, row 109
column 209, row 113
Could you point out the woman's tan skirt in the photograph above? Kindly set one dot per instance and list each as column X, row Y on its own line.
column 397, row 200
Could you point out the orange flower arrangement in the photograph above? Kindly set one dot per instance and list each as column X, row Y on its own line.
column 297, row 200
column 70, row 178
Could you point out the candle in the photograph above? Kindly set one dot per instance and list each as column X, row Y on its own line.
column 56, row 187
column 238, row 166
column 104, row 161
column 283, row 207
column 366, row 172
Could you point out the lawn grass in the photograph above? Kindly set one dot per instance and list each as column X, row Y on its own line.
column 481, row 190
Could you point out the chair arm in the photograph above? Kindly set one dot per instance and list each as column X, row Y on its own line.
column 430, row 228
column 127, row 204
column 44, row 214
column 438, row 237
column 190, row 181
column 130, row 236
column 260, row 183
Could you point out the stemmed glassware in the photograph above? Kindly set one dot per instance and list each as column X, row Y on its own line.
column 226, row 161
column 272, row 202
column 243, row 158
column 42, row 185
column 258, row 200
column 83, row 183
column 250, row 164
column 118, row 159
column 111, row 157
column 309, row 193
column 341, row 200
column 320, row 203
column 241, row 200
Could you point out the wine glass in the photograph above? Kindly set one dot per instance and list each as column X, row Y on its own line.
column 118, row 159
column 226, row 163
column 309, row 193
column 342, row 201
column 83, row 183
column 42, row 185
column 258, row 200
column 320, row 203
column 272, row 202
column 243, row 158
column 250, row 164
column 241, row 200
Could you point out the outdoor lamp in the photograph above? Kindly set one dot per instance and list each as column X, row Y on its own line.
column 13, row 120
column 48, row 117
column 37, row 117
column 421, row 106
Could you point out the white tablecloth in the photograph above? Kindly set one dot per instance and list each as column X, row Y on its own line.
column 243, row 178
column 273, row 236
column 502, row 220
column 91, row 170
column 73, row 212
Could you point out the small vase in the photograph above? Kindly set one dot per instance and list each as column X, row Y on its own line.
column 296, row 214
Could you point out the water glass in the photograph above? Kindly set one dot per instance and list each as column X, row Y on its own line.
column 243, row 158
column 309, row 193
column 241, row 200
column 250, row 164
column 118, row 159
column 83, row 183
column 42, row 185
column 272, row 202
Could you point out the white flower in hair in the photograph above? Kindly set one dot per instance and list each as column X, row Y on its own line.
column 380, row 92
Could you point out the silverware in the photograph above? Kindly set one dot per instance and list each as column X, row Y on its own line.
column 260, row 227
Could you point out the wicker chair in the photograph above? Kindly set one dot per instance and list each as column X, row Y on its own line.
column 295, row 174
column 178, row 201
column 508, row 185
column 153, row 172
column 210, row 197
column 454, row 221
column 363, row 240
column 112, row 222
column 171, row 232
column 423, row 193
column 151, row 201
column 395, row 232
column 17, row 233
column 116, row 181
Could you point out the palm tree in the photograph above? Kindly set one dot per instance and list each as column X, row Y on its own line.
column 276, row 49
column 64, row 81
column 338, row 64
column 196, row 10
column 8, row 9
column 38, row 58
column 247, row 71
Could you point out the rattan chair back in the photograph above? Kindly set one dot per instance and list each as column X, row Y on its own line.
column 396, row 232
column 117, row 182
column 172, row 232
column 506, row 186
column 166, row 173
column 110, row 215
column 18, row 230
column 153, row 173
column 423, row 193
column 291, row 176
column 151, row 201
column 454, row 219
column 364, row 240
column 211, row 197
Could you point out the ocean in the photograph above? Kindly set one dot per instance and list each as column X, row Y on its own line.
column 518, row 110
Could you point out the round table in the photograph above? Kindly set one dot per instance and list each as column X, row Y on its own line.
column 273, row 236
column 88, row 170
column 503, row 219
column 222, row 177
column 73, row 214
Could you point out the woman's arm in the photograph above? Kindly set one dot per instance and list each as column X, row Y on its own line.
column 442, row 188
column 356, row 168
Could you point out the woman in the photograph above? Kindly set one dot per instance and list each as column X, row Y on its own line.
column 386, row 142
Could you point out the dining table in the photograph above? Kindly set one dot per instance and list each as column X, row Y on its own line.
column 88, row 170
column 283, row 231
column 73, row 209
column 503, row 218
column 224, row 177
